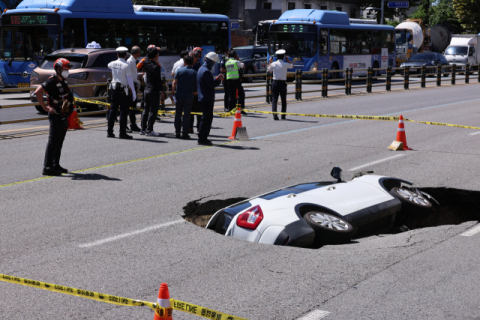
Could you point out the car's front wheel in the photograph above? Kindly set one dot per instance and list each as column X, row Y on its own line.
column 413, row 203
column 329, row 229
column 250, row 71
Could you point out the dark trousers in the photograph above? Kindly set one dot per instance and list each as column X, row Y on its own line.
column 55, row 141
column 149, row 115
column 195, row 108
column 225, row 98
column 279, row 87
column 185, row 106
column 119, row 99
column 233, row 85
column 207, row 118
column 132, row 112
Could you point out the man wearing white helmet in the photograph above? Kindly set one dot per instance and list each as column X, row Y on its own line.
column 123, row 92
column 279, row 85
column 206, row 84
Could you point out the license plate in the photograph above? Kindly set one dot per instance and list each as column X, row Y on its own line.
column 413, row 70
column 24, row 85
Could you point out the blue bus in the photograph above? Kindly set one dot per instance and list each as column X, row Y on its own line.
column 318, row 39
column 38, row 27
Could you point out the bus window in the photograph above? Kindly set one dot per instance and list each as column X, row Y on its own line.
column 322, row 42
column 73, row 33
column 338, row 41
column 376, row 43
column 388, row 41
column 297, row 40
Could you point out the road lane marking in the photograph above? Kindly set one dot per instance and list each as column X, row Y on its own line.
column 376, row 162
column 472, row 231
column 129, row 234
column 475, row 133
column 315, row 315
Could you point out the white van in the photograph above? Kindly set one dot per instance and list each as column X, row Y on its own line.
column 462, row 50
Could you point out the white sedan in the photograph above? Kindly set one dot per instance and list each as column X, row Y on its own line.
column 319, row 213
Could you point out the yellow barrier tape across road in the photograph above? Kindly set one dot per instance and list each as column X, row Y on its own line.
column 93, row 101
column 176, row 304
column 77, row 292
column 442, row 124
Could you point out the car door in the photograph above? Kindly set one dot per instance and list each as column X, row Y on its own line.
column 471, row 55
column 260, row 60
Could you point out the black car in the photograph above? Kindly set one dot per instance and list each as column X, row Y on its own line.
column 429, row 59
column 254, row 58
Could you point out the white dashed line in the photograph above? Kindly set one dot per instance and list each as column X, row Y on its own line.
column 315, row 315
column 472, row 231
column 121, row 236
column 376, row 162
column 475, row 133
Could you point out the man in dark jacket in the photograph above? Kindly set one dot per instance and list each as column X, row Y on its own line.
column 206, row 96
column 152, row 91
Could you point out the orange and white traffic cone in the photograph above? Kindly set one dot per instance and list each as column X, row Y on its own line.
column 401, row 142
column 237, row 123
column 164, row 308
column 73, row 121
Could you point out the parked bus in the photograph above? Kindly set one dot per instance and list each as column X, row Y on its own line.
column 36, row 28
column 318, row 39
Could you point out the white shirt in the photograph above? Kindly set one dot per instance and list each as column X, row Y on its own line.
column 280, row 69
column 120, row 71
column 179, row 64
column 132, row 64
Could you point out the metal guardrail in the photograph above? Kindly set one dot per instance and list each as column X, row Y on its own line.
column 345, row 75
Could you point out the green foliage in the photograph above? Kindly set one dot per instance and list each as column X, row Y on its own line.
column 393, row 23
column 443, row 12
column 387, row 12
column 468, row 12
column 207, row 6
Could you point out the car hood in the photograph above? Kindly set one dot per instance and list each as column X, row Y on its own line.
column 417, row 63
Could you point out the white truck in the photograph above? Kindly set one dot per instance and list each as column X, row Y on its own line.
column 462, row 50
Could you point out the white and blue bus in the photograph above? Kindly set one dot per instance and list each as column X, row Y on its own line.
column 318, row 39
column 38, row 27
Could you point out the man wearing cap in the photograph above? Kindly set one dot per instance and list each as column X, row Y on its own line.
column 132, row 64
column 206, row 96
column 279, row 85
column 121, row 86
column 152, row 91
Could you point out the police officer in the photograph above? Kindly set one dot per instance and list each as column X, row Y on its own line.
column 122, row 93
column 279, row 85
column 132, row 64
column 59, row 106
column 234, row 67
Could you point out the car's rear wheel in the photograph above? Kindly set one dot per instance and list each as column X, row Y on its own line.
column 329, row 229
column 413, row 203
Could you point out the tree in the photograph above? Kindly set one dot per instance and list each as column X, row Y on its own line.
column 207, row 6
column 388, row 13
column 9, row 4
column 468, row 12
column 443, row 12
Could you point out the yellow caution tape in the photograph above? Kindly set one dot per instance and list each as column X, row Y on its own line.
column 77, row 292
column 443, row 124
column 201, row 311
column 337, row 116
column 93, row 101
column 121, row 301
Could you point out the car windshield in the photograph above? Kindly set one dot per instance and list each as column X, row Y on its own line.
column 76, row 61
column 244, row 53
column 296, row 39
column 456, row 50
column 423, row 57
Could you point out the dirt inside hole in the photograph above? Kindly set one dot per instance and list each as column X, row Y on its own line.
column 456, row 206
column 199, row 213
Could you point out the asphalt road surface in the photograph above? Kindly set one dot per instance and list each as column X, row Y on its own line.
column 115, row 225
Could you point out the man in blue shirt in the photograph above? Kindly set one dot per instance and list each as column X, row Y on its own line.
column 184, row 84
column 206, row 96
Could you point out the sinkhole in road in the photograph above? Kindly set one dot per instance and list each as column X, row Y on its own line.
column 455, row 207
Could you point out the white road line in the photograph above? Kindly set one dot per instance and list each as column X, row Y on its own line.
column 315, row 315
column 472, row 231
column 376, row 162
column 121, row 236
column 472, row 134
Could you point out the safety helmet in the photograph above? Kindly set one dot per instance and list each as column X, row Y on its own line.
column 212, row 56
column 62, row 63
column 198, row 49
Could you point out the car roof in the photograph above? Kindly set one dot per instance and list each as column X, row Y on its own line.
column 251, row 47
column 83, row 51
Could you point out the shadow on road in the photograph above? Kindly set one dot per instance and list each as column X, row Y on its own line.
column 90, row 177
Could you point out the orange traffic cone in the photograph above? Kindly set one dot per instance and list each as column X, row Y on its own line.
column 401, row 134
column 237, row 123
column 73, row 121
column 164, row 308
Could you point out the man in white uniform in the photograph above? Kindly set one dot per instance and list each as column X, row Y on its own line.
column 279, row 85
column 180, row 63
column 120, row 87
column 132, row 64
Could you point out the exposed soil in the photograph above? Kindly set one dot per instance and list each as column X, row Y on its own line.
column 456, row 206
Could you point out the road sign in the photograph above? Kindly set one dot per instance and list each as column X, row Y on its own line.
column 235, row 25
column 398, row 4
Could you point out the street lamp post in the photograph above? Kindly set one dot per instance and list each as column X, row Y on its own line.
column 381, row 19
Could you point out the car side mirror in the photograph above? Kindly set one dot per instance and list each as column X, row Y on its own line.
column 337, row 173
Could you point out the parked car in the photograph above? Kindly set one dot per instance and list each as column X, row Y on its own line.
column 254, row 58
column 327, row 212
column 89, row 66
column 429, row 59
